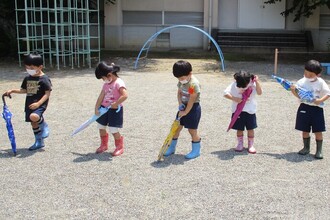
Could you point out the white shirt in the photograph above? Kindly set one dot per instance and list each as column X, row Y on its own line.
column 250, row 105
column 318, row 87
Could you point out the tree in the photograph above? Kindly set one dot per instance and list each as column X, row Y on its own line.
column 8, row 42
column 301, row 8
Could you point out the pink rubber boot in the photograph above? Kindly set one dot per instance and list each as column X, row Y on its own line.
column 104, row 144
column 239, row 147
column 119, row 147
column 251, row 148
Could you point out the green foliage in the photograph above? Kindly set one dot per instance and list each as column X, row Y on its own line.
column 7, row 27
column 301, row 8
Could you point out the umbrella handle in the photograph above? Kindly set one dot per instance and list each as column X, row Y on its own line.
column 3, row 98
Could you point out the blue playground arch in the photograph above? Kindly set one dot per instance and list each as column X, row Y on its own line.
column 147, row 44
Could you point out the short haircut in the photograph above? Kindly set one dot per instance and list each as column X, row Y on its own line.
column 243, row 78
column 103, row 69
column 181, row 68
column 313, row 66
column 33, row 60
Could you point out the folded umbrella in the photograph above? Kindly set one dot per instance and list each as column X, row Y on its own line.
column 102, row 111
column 304, row 94
column 246, row 94
column 169, row 138
column 7, row 115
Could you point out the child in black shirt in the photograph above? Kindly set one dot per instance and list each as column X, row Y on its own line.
column 37, row 87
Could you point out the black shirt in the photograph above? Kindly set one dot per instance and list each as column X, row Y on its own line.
column 36, row 88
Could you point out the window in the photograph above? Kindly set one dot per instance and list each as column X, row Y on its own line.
column 142, row 17
column 325, row 20
column 187, row 18
column 157, row 18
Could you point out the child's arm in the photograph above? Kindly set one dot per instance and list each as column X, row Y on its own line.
column 258, row 85
column 293, row 91
column 233, row 98
column 122, row 98
column 99, row 102
column 179, row 95
column 18, row 91
column 192, row 99
column 321, row 100
column 37, row 104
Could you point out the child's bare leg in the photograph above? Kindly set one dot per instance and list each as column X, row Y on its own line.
column 103, row 132
column 194, row 135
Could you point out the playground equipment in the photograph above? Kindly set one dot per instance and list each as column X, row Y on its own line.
column 67, row 31
column 148, row 43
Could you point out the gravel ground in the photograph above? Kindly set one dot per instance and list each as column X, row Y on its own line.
column 67, row 180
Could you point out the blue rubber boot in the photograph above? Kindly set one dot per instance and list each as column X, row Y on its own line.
column 196, row 150
column 44, row 129
column 39, row 142
column 171, row 148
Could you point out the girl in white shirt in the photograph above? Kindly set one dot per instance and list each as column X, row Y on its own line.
column 244, row 83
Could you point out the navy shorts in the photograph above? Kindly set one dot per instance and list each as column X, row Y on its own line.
column 39, row 111
column 112, row 118
column 310, row 117
column 245, row 120
column 191, row 120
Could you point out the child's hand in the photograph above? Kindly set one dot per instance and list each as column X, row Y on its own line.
column 182, row 107
column 34, row 106
column 182, row 113
column 114, row 105
column 97, row 112
column 256, row 78
column 236, row 99
column 293, row 87
column 317, row 101
column 8, row 93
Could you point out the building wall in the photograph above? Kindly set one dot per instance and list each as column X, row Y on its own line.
column 119, row 35
column 228, row 11
column 222, row 14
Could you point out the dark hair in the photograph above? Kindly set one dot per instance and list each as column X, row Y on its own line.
column 181, row 68
column 33, row 60
column 104, row 69
column 313, row 66
column 243, row 78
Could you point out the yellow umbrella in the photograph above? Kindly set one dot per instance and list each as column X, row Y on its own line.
column 168, row 140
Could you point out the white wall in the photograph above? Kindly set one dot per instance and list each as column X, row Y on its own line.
column 119, row 36
column 224, row 17
column 227, row 16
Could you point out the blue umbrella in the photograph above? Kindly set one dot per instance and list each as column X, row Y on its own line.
column 7, row 115
column 304, row 95
column 84, row 125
